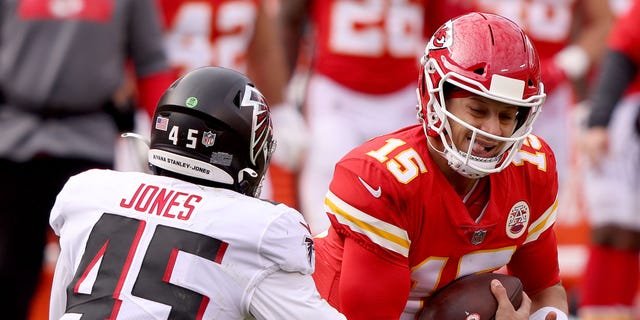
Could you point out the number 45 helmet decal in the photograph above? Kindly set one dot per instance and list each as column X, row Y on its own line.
column 213, row 127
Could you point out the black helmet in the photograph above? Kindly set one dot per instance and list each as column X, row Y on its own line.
column 213, row 127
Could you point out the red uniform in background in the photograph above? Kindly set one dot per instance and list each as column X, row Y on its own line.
column 354, row 41
column 209, row 32
column 625, row 38
column 611, row 145
column 361, row 77
column 568, row 35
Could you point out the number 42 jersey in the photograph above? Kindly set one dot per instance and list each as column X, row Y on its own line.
column 139, row 246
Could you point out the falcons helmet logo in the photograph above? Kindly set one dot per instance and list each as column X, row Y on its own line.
column 261, row 122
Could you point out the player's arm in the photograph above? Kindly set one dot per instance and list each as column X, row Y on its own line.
column 375, row 268
column 149, row 57
column 265, row 57
column 287, row 290
column 268, row 67
column 576, row 59
column 618, row 69
column 292, row 18
column 550, row 300
column 616, row 73
column 597, row 20
column 371, row 279
column 542, row 282
column 290, row 295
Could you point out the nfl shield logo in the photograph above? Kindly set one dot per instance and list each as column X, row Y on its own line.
column 478, row 237
column 208, row 139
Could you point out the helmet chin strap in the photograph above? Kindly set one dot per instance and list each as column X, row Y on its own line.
column 249, row 171
column 244, row 184
column 462, row 168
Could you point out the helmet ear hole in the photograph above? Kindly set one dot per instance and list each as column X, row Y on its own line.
column 479, row 71
column 237, row 98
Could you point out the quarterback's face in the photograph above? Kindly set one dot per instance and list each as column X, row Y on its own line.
column 488, row 115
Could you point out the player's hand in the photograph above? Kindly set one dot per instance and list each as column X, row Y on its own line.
column 595, row 145
column 506, row 311
column 571, row 63
column 291, row 135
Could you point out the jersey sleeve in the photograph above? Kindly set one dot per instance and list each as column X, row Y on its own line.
column 63, row 274
column 68, row 193
column 624, row 36
column 536, row 263
column 56, row 220
column 362, row 208
column 540, row 248
column 361, row 204
column 286, row 295
column 288, row 243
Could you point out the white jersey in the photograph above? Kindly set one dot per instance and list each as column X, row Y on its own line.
column 139, row 246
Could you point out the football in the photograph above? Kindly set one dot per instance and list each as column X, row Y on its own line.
column 470, row 298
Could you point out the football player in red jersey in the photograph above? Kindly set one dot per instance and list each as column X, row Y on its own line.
column 568, row 35
column 360, row 79
column 409, row 215
column 612, row 148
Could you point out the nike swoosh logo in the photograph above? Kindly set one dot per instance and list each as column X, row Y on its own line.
column 376, row 193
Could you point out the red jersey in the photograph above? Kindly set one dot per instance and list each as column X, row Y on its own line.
column 389, row 196
column 624, row 37
column 547, row 23
column 369, row 46
column 213, row 32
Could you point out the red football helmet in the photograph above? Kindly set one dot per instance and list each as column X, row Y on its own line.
column 490, row 56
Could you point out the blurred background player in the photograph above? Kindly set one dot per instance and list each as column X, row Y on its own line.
column 611, row 145
column 191, row 241
column 568, row 35
column 362, row 58
column 242, row 35
column 62, row 64
column 468, row 190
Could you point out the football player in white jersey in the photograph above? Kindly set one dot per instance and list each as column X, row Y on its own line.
column 190, row 241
